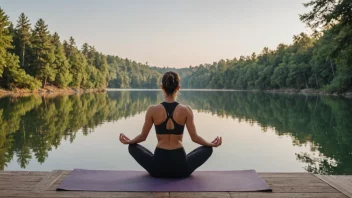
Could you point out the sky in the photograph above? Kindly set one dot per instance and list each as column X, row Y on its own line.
column 169, row 33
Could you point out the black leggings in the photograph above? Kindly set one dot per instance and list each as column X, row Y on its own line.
column 170, row 163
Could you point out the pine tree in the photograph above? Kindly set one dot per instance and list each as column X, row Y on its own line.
column 72, row 46
column 43, row 54
column 11, row 75
column 61, row 64
column 5, row 40
column 23, row 36
column 78, row 63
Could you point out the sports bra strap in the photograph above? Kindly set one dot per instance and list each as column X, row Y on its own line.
column 170, row 108
column 161, row 128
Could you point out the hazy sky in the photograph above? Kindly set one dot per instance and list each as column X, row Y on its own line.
column 175, row 33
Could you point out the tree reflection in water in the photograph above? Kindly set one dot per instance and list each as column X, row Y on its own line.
column 33, row 125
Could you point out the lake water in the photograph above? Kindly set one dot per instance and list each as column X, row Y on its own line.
column 262, row 131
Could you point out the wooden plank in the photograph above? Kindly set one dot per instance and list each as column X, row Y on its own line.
column 285, row 195
column 308, row 181
column 311, row 179
column 7, row 179
column 298, row 174
column 341, row 183
column 22, row 173
column 179, row 195
column 304, row 189
column 20, row 187
column 14, row 173
column 39, row 173
column 48, row 181
column 200, row 194
column 82, row 194
column 349, row 177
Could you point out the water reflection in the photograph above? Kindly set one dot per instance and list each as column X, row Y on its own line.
column 34, row 125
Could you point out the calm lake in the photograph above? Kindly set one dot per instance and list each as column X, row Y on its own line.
column 262, row 131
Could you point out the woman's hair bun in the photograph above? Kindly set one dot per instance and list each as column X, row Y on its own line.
column 170, row 81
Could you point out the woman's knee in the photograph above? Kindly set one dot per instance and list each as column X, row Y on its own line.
column 208, row 150
column 132, row 148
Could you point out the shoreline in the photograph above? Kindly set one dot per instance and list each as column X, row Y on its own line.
column 46, row 91
column 347, row 94
column 52, row 90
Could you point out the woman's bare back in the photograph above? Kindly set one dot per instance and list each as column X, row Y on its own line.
column 159, row 115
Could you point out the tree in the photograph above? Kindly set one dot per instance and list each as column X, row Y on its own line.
column 42, row 53
column 11, row 75
column 77, row 61
column 16, row 77
column 5, row 40
column 23, row 35
column 328, row 12
column 61, row 64
column 331, row 13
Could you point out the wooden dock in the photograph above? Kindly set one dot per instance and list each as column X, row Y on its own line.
column 43, row 184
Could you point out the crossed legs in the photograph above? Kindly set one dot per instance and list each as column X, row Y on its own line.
column 194, row 159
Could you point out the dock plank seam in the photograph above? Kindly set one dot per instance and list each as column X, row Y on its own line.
column 49, row 180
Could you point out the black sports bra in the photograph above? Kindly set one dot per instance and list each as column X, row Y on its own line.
column 161, row 128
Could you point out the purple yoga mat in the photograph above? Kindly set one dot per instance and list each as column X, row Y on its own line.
column 140, row 181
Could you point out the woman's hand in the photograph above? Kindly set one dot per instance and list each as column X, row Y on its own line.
column 217, row 142
column 124, row 139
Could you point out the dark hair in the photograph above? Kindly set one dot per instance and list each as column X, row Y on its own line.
column 170, row 81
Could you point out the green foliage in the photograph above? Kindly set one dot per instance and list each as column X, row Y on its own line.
column 16, row 77
column 323, row 122
column 321, row 61
column 5, row 40
column 45, row 58
column 336, row 43
column 63, row 76
column 22, row 36
column 307, row 63
column 77, row 62
column 332, row 13
column 130, row 74
column 42, row 64
column 11, row 75
column 35, row 124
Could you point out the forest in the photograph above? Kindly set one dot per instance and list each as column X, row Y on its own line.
column 322, row 60
column 32, row 57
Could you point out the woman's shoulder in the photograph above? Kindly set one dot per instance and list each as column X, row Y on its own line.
column 153, row 107
column 184, row 107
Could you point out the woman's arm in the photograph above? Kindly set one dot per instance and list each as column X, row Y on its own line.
column 148, row 123
column 193, row 133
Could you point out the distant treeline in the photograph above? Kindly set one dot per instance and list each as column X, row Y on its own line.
column 33, row 57
column 320, row 61
column 30, row 58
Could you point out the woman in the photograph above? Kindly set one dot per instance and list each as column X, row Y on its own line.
column 170, row 118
